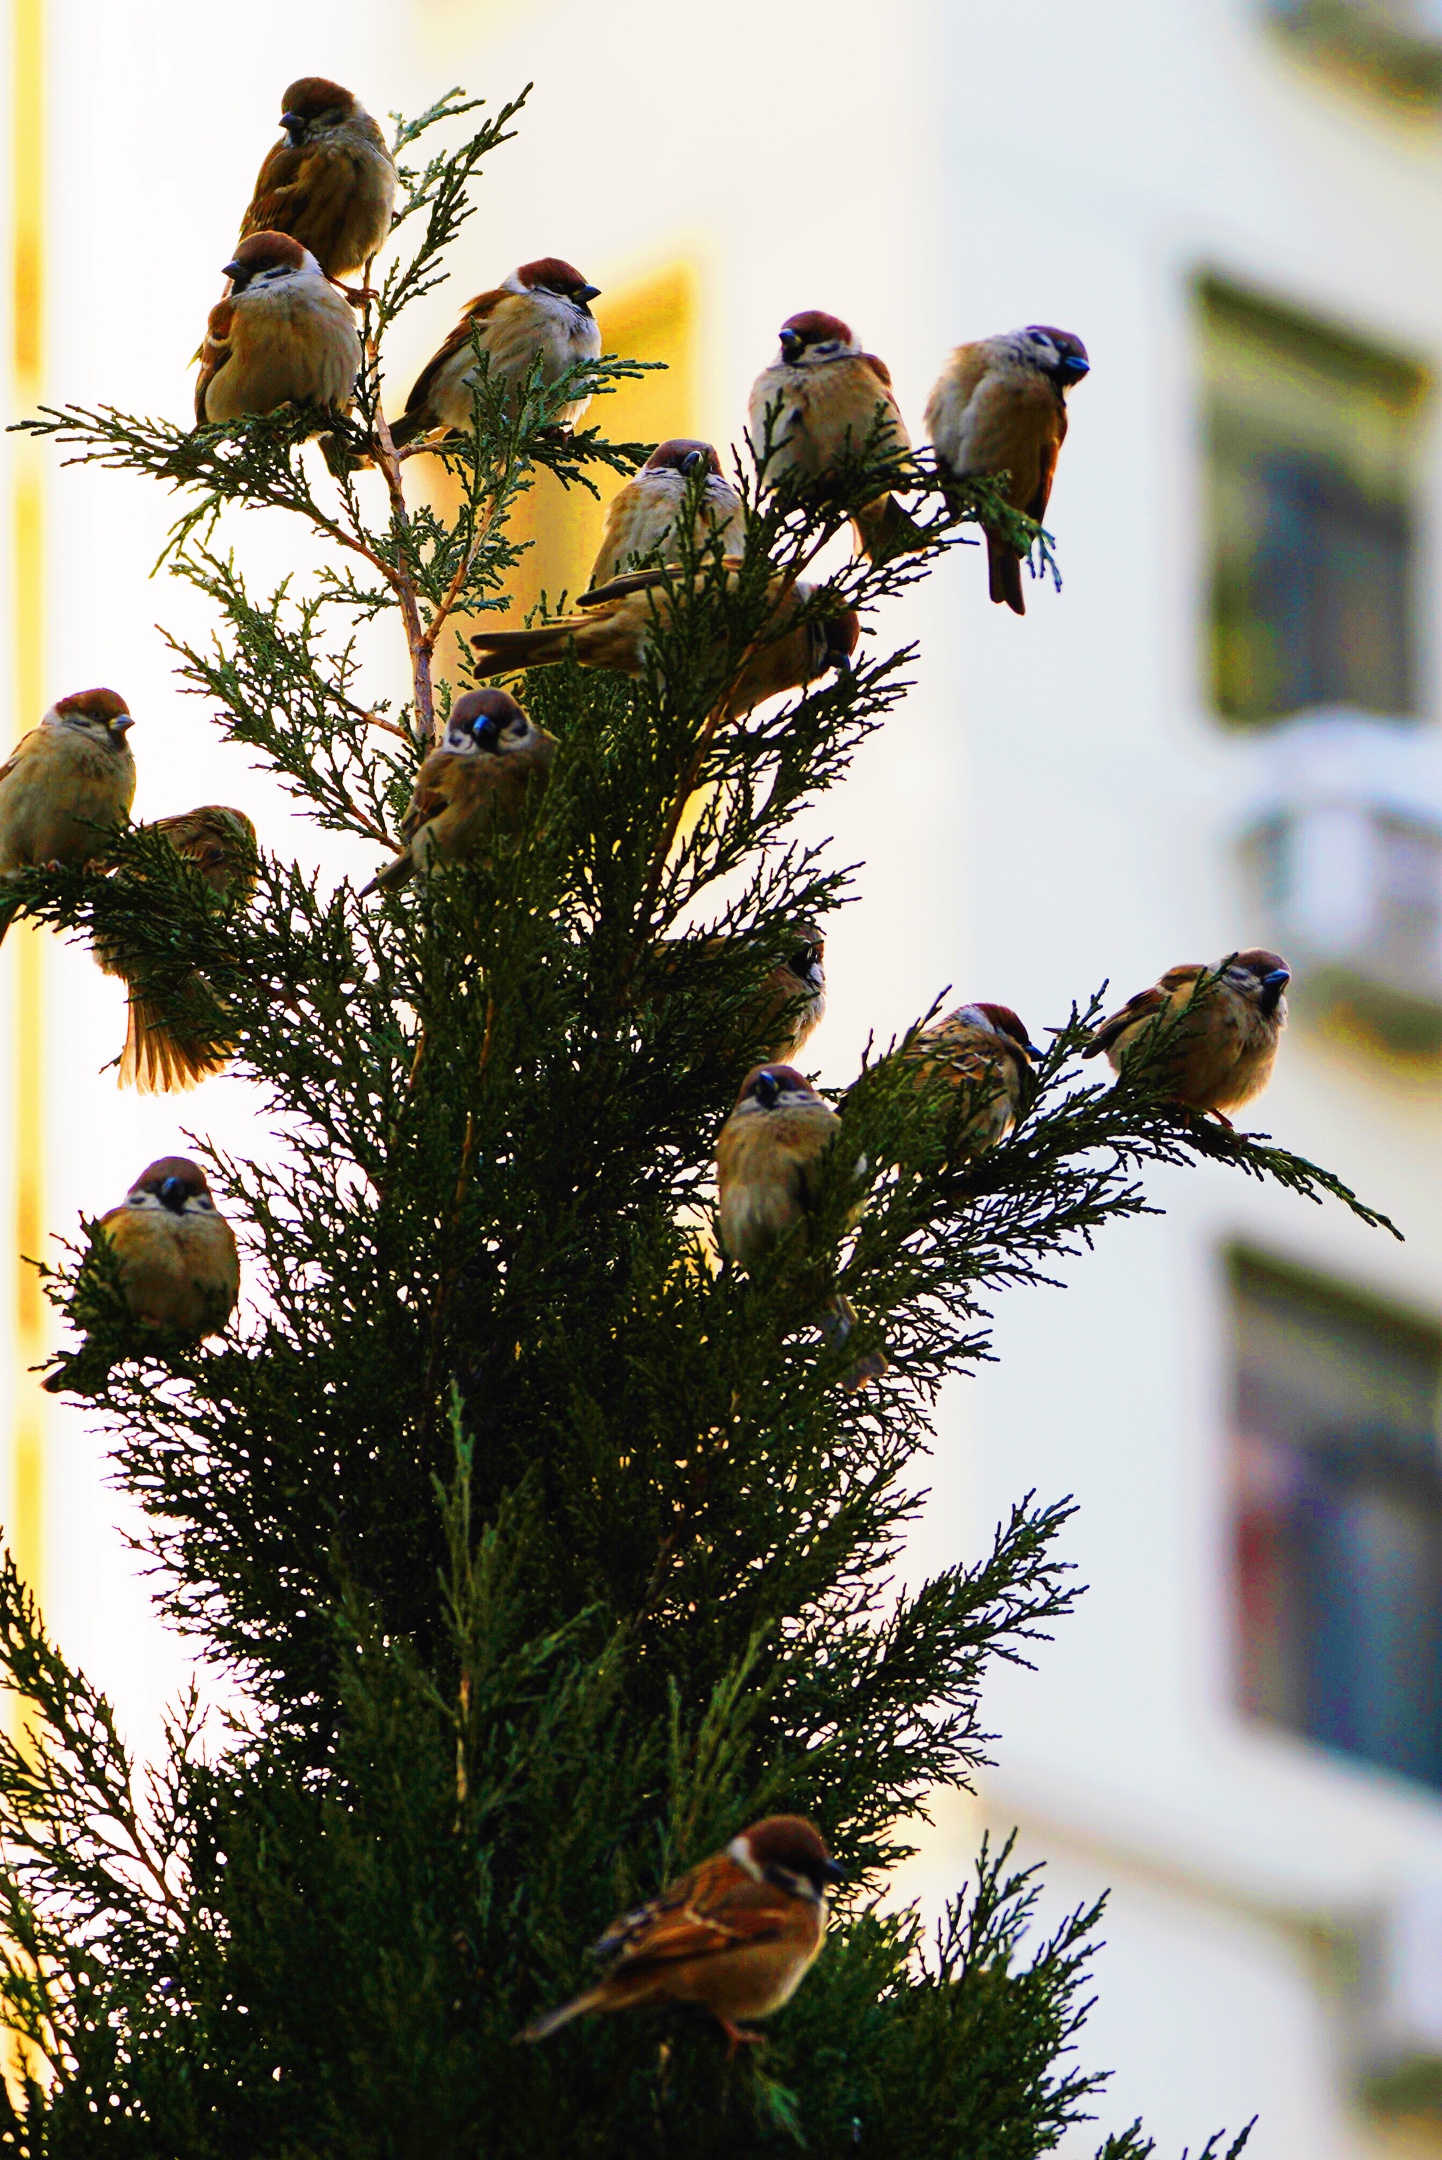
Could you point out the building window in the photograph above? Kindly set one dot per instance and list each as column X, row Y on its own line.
column 1339, row 1519
column 1313, row 445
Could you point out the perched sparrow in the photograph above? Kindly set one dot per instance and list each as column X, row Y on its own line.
column 541, row 312
column 826, row 400
column 177, row 1259
column 999, row 405
column 1222, row 1054
column 736, row 1935
column 615, row 631
column 331, row 184
column 474, row 782
column 282, row 336
column 793, row 1002
column 64, row 785
column 986, row 1050
column 162, row 1054
column 648, row 510
column 768, row 1165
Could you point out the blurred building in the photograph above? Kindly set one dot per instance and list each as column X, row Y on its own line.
column 1223, row 731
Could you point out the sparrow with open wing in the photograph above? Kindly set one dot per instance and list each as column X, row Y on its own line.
column 472, row 785
column 824, row 401
column 542, row 312
column 999, row 405
column 645, row 516
column 283, row 335
column 736, row 1936
column 615, row 629
column 985, row 1050
column 331, row 184
column 64, row 785
column 161, row 1053
column 1225, row 1044
column 179, row 1269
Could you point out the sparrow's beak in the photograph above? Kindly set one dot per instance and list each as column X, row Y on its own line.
column 589, row 292
column 833, row 1871
column 121, row 722
column 237, row 273
column 1075, row 365
column 689, row 463
column 790, row 344
column 1277, row 979
column 488, row 734
column 172, row 1195
column 292, row 123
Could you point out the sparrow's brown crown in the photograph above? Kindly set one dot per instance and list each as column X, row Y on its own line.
column 311, row 96
column 264, row 251
column 814, row 327
column 789, row 1845
column 107, row 705
column 1006, row 1022
column 552, row 273
column 766, row 1082
column 679, row 454
column 177, row 1171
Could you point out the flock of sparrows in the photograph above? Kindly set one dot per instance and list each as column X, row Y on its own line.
column 737, row 1933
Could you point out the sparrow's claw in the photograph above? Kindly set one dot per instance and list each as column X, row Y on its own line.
column 359, row 296
column 739, row 2036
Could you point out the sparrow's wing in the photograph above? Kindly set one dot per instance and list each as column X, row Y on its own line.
column 213, row 353
column 1141, row 1007
column 714, row 1909
column 617, row 588
column 475, row 311
column 1046, row 468
column 428, row 800
column 23, row 749
column 281, row 179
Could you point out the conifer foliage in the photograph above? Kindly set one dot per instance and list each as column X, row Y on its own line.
column 549, row 1552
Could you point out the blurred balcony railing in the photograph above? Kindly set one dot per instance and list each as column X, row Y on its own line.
column 1342, row 843
column 1396, row 43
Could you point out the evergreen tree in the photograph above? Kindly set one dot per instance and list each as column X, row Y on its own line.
column 549, row 1553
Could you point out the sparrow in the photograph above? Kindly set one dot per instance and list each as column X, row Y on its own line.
column 331, row 184
column 177, row 1262
column 1222, row 1054
column 282, row 335
column 768, row 1169
column 792, row 1004
column 162, row 1054
column 999, row 405
column 648, row 510
column 984, row 1049
column 541, row 312
column 736, row 1935
column 615, row 632
column 64, row 785
column 473, row 783
column 824, row 401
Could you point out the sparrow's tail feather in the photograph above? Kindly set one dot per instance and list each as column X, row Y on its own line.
column 82, row 1373
column 870, row 1367
column 159, row 1059
column 884, row 529
column 500, row 651
column 395, row 874
column 1004, row 566
column 408, row 429
column 541, row 2028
